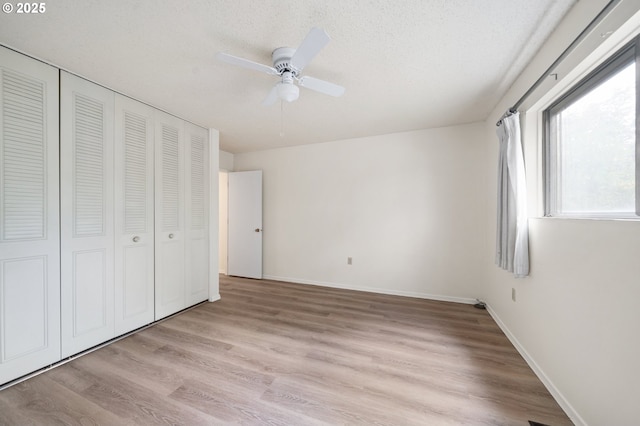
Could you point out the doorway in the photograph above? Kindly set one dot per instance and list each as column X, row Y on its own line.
column 241, row 223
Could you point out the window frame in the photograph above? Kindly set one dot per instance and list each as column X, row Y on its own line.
column 614, row 63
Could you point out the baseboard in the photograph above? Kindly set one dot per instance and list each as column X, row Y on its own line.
column 214, row 297
column 557, row 395
column 374, row 290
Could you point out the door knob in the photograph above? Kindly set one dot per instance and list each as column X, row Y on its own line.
column 136, row 239
column 170, row 236
column 258, row 229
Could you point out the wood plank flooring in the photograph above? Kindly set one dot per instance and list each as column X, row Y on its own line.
column 287, row 354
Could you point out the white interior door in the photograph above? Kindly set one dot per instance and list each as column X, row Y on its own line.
column 245, row 224
column 196, row 214
column 29, row 218
column 86, row 205
column 169, row 220
column 134, row 246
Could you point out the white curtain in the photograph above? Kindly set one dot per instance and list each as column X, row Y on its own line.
column 512, row 232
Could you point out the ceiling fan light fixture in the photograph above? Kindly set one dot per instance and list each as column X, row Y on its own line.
column 288, row 92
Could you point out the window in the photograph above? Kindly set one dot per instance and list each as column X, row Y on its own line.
column 592, row 169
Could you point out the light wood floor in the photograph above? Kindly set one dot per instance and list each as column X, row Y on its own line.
column 286, row 354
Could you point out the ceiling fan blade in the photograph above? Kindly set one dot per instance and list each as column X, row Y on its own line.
column 321, row 86
column 245, row 63
column 272, row 97
column 309, row 48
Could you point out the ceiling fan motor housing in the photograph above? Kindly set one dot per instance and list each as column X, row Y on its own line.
column 282, row 60
column 287, row 91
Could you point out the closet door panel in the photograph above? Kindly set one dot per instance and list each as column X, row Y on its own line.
column 29, row 219
column 89, row 289
column 197, row 213
column 25, row 320
column 87, row 225
column 169, row 219
column 134, row 211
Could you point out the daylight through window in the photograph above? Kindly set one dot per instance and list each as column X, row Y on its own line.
column 591, row 139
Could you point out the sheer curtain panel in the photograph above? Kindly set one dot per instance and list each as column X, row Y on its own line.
column 512, row 231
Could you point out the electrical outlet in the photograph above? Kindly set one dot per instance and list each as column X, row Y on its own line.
column 349, row 261
column 513, row 294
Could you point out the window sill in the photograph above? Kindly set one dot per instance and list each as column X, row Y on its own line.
column 596, row 218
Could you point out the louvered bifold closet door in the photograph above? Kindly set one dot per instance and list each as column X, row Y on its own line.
column 197, row 213
column 87, row 228
column 134, row 250
column 29, row 230
column 170, row 286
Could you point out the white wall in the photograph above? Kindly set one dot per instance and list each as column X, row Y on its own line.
column 409, row 208
column 223, row 223
column 576, row 318
column 225, row 166
column 226, row 161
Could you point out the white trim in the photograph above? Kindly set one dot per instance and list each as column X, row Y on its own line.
column 557, row 395
column 214, row 223
column 374, row 290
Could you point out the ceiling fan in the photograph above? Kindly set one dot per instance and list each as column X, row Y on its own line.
column 288, row 64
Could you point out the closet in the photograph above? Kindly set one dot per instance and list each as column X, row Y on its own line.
column 181, row 214
column 170, row 211
column 86, row 214
column 196, row 220
column 29, row 230
column 128, row 186
column 134, row 217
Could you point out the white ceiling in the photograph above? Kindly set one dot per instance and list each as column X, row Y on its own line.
column 406, row 64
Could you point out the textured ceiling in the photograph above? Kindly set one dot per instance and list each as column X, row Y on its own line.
column 406, row 64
